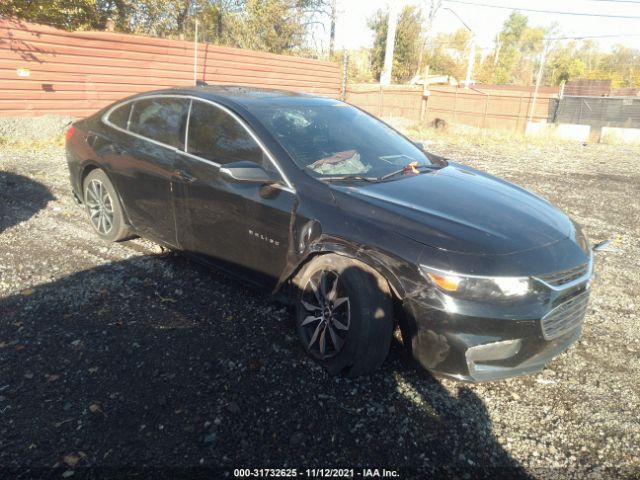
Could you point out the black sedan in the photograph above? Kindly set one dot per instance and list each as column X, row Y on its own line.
column 335, row 211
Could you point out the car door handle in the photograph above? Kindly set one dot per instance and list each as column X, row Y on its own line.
column 118, row 149
column 185, row 177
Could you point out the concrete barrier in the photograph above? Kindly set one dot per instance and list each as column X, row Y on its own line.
column 623, row 135
column 570, row 131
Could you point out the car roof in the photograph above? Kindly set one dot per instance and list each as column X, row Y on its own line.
column 249, row 96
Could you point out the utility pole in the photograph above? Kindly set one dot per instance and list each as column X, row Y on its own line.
column 543, row 59
column 472, row 59
column 195, row 55
column 433, row 10
column 385, row 76
column 332, row 34
column 345, row 75
column 472, row 49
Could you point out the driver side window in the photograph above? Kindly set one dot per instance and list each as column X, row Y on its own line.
column 217, row 136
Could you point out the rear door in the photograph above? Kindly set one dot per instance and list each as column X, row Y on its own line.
column 144, row 167
column 242, row 227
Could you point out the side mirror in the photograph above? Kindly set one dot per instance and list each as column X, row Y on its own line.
column 246, row 171
column 420, row 145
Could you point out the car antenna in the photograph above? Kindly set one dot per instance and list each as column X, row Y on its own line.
column 201, row 83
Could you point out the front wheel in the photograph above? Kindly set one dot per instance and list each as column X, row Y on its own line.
column 344, row 314
column 103, row 207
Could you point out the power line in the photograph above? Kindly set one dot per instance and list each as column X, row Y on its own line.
column 582, row 14
column 615, row 1
column 432, row 41
column 583, row 37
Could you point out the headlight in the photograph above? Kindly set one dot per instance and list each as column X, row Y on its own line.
column 478, row 287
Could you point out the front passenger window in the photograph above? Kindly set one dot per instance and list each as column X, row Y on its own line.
column 217, row 136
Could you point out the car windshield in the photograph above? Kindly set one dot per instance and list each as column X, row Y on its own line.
column 334, row 141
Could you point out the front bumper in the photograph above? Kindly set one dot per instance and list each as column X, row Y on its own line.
column 481, row 348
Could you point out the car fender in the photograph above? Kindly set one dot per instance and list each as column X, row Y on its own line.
column 379, row 261
column 86, row 167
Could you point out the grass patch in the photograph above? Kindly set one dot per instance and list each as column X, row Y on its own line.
column 462, row 134
column 481, row 137
column 25, row 143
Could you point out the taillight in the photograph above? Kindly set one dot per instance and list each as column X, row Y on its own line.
column 69, row 133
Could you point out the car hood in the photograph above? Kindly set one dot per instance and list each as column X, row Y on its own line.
column 458, row 209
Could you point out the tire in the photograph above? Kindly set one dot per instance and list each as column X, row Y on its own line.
column 103, row 207
column 352, row 334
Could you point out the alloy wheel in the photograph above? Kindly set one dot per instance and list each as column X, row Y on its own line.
column 328, row 318
column 100, row 206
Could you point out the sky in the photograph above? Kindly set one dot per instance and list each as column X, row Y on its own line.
column 352, row 31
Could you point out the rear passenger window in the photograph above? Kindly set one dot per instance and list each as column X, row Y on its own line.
column 217, row 136
column 160, row 119
column 120, row 116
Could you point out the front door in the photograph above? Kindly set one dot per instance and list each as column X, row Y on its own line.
column 242, row 227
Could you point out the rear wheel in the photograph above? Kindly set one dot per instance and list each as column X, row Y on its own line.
column 344, row 315
column 103, row 207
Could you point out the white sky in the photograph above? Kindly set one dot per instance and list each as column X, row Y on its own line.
column 352, row 31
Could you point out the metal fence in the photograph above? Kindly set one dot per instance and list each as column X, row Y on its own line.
column 486, row 108
column 597, row 112
column 46, row 70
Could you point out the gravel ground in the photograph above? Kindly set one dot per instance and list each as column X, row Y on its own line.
column 120, row 356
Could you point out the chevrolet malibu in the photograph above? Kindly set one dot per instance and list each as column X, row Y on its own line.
column 354, row 224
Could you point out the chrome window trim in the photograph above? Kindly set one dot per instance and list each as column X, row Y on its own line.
column 105, row 119
column 195, row 157
column 186, row 127
column 130, row 115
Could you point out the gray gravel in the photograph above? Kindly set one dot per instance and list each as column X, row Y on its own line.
column 34, row 128
column 122, row 355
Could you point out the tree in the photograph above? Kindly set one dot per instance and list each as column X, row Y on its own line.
column 67, row 14
column 406, row 45
column 448, row 53
column 518, row 48
column 158, row 18
column 564, row 64
column 270, row 25
column 623, row 64
column 151, row 17
column 584, row 60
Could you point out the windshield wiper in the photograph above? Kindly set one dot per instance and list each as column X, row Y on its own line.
column 408, row 169
column 351, row 178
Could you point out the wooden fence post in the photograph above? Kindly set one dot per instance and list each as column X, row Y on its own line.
column 455, row 106
column 486, row 108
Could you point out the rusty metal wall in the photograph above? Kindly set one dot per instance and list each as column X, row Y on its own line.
column 397, row 101
column 492, row 107
column 45, row 70
column 487, row 108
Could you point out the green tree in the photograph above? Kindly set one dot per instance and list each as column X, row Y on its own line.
column 67, row 14
column 623, row 64
column 270, row 25
column 564, row 63
column 158, row 18
column 448, row 54
column 518, row 50
column 575, row 60
column 406, row 50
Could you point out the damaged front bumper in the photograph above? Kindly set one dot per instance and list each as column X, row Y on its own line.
column 483, row 348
